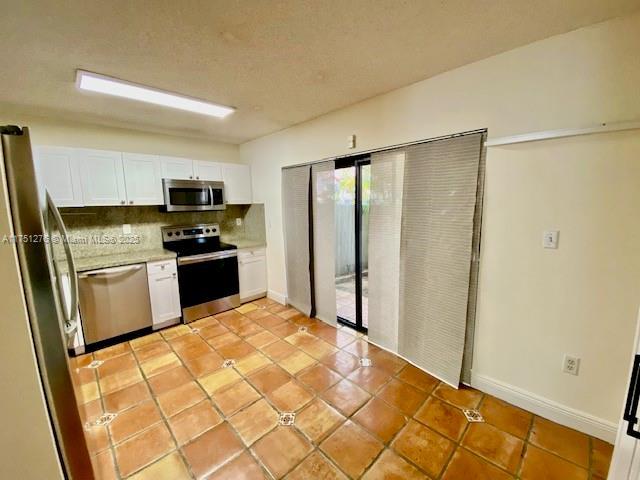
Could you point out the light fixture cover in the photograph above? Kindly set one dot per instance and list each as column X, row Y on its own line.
column 95, row 82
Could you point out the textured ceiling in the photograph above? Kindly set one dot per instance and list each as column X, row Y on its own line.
column 279, row 62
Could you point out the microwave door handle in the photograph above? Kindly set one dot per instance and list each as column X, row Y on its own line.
column 211, row 195
column 70, row 316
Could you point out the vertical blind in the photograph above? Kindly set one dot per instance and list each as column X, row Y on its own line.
column 295, row 210
column 385, row 215
column 424, row 234
column 323, row 204
column 439, row 200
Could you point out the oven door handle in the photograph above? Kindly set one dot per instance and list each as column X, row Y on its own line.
column 207, row 257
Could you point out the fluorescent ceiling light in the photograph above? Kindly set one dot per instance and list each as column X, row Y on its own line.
column 94, row 82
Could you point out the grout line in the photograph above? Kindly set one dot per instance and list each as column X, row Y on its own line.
column 319, row 335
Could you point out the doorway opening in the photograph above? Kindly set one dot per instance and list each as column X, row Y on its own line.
column 352, row 193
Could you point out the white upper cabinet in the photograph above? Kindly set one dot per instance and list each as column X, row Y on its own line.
column 143, row 179
column 237, row 183
column 58, row 172
column 204, row 170
column 102, row 177
column 76, row 177
column 177, row 168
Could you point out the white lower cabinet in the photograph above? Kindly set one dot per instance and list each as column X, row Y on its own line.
column 252, row 273
column 164, row 293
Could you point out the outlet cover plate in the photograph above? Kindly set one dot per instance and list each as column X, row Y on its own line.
column 571, row 365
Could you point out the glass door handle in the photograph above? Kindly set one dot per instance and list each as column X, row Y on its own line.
column 633, row 396
column 71, row 312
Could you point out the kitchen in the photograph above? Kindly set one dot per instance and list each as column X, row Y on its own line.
column 298, row 240
column 135, row 222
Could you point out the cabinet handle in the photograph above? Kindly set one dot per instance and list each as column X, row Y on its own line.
column 191, row 177
column 130, row 202
column 197, row 178
column 173, row 275
column 122, row 202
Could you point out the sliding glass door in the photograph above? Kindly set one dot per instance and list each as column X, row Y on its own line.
column 352, row 192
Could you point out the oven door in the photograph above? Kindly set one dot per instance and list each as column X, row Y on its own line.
column 208, row 284
column 193, row 195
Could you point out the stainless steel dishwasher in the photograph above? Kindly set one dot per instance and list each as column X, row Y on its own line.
column 114, row 301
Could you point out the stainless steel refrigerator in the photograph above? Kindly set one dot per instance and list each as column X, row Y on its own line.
column 44, row 256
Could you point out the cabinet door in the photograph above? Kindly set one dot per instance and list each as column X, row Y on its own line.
column 164, row 292
column 143, row 179
column 58, row 172
column 252, row 274
column 237, row 183
column 102, row 177
column 177, row 168
column 204, row 170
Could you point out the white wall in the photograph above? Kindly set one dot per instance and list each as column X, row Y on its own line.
column 577, row 79
column 49, row 131
column 27, row 448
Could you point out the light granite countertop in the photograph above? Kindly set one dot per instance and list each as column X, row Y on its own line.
column 244, row 242
column 115, row 260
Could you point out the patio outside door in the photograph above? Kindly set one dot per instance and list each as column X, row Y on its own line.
column 352, row 192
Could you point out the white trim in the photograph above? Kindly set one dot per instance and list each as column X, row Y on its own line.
column 567, row 132
column 277, row 296
column 567, row 416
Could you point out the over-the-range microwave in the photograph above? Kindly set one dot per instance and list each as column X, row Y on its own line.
column 192, row 195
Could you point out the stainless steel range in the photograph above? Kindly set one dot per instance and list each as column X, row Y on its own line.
column 207, row 269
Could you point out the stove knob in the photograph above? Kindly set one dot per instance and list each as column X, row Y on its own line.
column 170, row 234
column 177, row 234
column 207, row 230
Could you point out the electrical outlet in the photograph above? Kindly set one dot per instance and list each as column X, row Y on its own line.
column 571, row 364
column 238, row 222
column 126, row 229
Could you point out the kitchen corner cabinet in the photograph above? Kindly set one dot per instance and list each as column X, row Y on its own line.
column 143, row 179
column 252, row 273
column 102, row 177
column 237, row 183
column 58, row 172
column 164, row 293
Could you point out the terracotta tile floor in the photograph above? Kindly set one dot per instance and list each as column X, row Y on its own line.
column 182, row 414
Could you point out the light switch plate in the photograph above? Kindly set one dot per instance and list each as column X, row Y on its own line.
column 550, row 239
column 126, row 229
column 238, row 221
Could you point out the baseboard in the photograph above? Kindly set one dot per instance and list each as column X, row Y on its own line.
column 278, row 297
column 567, row 416
column 255, row 296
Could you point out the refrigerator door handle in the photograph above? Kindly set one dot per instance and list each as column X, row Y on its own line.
column 633, row 397
column 71, row 322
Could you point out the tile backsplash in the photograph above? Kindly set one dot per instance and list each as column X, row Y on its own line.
column 145, row 222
